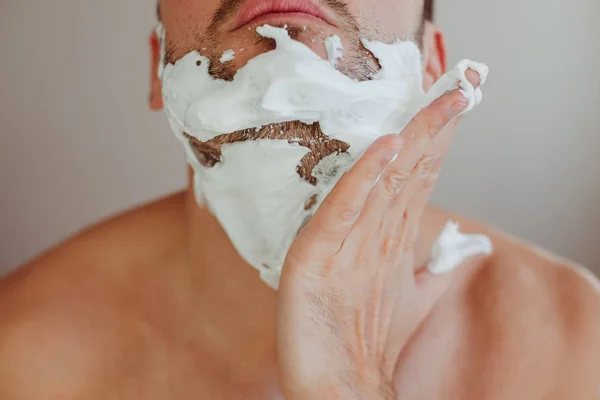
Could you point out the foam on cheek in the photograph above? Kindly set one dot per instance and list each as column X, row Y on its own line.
column 293, row 83
column 255, row 191
column 335, row 49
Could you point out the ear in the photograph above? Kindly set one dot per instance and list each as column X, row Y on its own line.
column 434, row 54
column 156, row 102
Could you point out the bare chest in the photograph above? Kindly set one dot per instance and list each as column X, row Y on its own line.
column 449, row 358
column 475, row 345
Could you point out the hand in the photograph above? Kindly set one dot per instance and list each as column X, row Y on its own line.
column 348, row 298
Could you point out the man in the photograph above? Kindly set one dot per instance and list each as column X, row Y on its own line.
column 157, row 304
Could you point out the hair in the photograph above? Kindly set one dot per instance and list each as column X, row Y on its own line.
column 428, row 10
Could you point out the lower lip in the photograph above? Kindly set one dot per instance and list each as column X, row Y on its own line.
column 285, row 17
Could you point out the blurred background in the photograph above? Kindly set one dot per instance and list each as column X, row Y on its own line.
column 78, row 142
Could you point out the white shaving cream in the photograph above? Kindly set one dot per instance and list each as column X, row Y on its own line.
column 255, row 191
column 334, row 48
column 227, row 56
column 452, row 248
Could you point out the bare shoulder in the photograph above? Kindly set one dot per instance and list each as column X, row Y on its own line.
column 64, row 317
column 124, row 236
column 543, row 309
column 553, row 306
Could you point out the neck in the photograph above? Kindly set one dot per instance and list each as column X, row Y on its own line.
column 238, row 310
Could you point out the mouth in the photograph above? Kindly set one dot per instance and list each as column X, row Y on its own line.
column 254, row 12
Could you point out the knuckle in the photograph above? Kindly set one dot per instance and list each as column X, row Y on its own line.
column 395, row 181
column 334, row 232
column 374, row 174
column 349, row 214
column 338, row 232
column 426, row 164
column 430, row 180
column 388, row 246
column 377, row 169
column 436, row 122
column 330, row 230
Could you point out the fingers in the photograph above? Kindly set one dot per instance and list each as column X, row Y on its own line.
column 410, row 205
column 418, row 136
column 396, row 205
column 407, row 233
column 335, row 217
column 367, row 190
column 443, row 140
column 413, row 204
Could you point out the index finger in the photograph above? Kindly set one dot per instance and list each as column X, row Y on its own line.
column 339, row 211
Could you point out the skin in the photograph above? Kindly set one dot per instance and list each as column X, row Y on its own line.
column 156, row 304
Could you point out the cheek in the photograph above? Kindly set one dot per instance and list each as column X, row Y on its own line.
column 388, row 20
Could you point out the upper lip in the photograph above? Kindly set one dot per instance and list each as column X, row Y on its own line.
column 252, row 9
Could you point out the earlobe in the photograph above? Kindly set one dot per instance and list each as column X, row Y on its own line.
column 434, row 54
column 155, row 100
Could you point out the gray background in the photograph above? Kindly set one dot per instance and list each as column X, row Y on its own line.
column 78, row 142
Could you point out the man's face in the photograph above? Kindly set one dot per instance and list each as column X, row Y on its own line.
column 214, row 26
